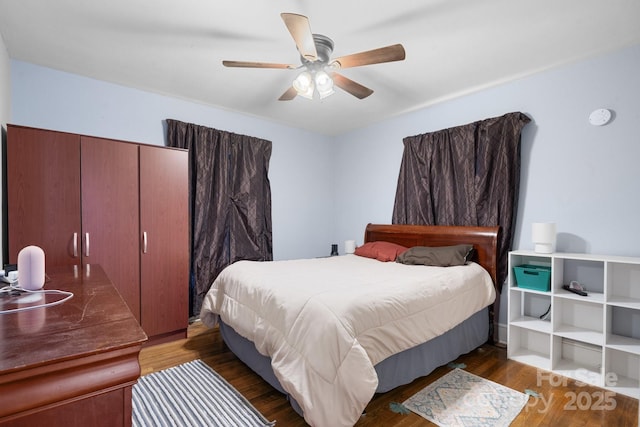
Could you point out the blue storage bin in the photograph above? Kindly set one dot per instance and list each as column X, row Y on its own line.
column 535, row 277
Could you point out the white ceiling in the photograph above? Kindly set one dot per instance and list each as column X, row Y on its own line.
column 176, row 47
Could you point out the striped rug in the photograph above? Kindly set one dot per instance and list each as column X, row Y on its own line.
column 191, row 395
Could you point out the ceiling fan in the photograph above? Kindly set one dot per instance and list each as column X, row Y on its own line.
column 320, row 72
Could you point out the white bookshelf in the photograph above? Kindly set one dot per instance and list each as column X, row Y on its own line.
column 591, row 338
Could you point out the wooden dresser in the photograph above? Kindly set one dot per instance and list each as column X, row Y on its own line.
column 72, row 364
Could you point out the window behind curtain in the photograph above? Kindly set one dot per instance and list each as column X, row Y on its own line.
column 465, row 175
column 230, row 201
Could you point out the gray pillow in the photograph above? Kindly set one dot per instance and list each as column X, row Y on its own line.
column 441, row 256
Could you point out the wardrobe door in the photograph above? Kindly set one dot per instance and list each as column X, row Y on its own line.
column 110, row 214
column 43, row 193
column 164, row 226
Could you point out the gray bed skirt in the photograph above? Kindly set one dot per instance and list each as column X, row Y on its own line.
column 399, row 369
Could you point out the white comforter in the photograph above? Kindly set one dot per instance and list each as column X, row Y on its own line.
column 326, row 322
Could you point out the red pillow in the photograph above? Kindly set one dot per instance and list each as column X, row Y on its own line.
column 382, row 251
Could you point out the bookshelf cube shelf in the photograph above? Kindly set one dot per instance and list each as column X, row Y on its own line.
column 595, row 338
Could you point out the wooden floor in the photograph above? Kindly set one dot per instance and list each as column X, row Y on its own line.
column 557, row 405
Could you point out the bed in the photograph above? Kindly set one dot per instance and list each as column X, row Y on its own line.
column 331, row 332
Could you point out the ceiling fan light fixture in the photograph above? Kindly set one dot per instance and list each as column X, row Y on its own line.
column 326, row 92
column 303, row 81
column 303, row 84
column 324, row 84
column 308, row 93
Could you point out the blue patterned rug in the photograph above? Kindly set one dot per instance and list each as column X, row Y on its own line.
column 191, row 395
column 463, row 399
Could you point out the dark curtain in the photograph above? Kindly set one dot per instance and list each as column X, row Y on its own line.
column 230, row 201
column 465, row 175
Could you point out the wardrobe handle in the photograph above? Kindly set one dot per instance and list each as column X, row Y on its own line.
column 75, row 245
column 144, row 242
column 86, row 244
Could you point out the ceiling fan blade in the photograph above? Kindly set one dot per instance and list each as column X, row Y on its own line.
column 376, row 56
column 348, row 85
column 288, row 95
column 298, row 26
column 246, row 64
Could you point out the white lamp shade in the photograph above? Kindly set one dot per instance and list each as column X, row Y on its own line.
column 543, row 235
column 349, row 246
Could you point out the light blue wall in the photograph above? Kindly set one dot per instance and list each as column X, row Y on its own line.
column 326, row 190
column 300, row 162
column 580, row 176
column 5, row 108
column 5, row 85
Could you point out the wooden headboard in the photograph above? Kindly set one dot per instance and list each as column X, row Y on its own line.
column 483, row 239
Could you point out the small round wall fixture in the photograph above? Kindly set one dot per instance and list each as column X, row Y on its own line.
column 600, row 117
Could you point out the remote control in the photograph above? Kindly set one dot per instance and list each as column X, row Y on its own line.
column 575, row 291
